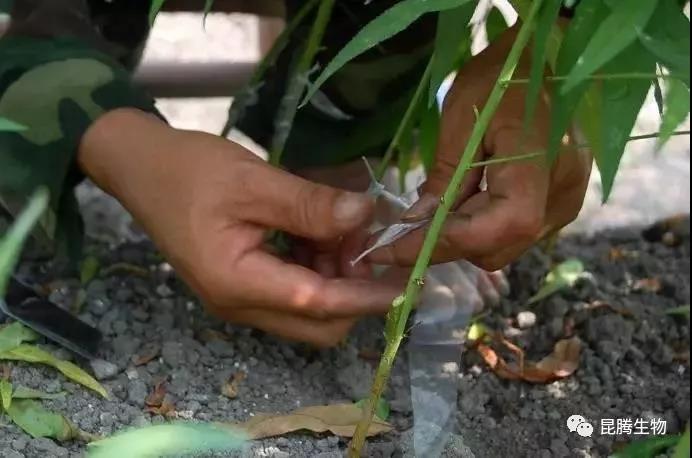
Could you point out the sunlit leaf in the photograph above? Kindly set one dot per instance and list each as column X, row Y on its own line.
column 453, row 39
column 547, row 18
column 156, row 6
column 170, row 439
column 648, row 448
column 339, row 419
column 32, row 354
column 385, row 26
column 7, row 125
column 37, row 421
column 677, row 107
column 11, row 244
column 14, row 334
column 617, row 32
column 622, row 100
column 5, row 394
column 89, row 269
column 667, row 36
column 563, row 276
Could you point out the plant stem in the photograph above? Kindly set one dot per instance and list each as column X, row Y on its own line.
column 405, row 121
column 298, row 82
column 612, row 76
column 400, row 313
column 248, row 95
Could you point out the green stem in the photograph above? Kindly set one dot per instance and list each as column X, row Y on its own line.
column 405, row 121
column 298, row 82
column 613, row 76
column 401, row 313
column 245, row 97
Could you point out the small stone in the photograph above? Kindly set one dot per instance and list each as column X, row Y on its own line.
column 19, row 443
column 164, row 290
column 102, row 369
column 526, row 319
column 173, row 353
column 98, row 306
column 50, row 448
column 140, row 314
column 137, row 392
column 12, row 454
column 107, row 419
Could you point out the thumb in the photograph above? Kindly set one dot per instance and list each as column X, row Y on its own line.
column 280, row 200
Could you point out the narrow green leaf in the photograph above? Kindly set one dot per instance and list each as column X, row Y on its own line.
column 677, row 107
column 11, row 244
column 385, row 26
column 683, row 310
column 5, row 394
column 648, row 448
column 587, row 18
column 563, row 276
column 495, row 24
column 622, row 100
column 22, row 392
column 156, row 6
column 551, row 9
column 208, row 5
column 167, row 439
column 428, row 135
column 683, row 448
column 7, row 125
column 453, row 40
column 618, row 31
column 667, row 36
column 32, row 354
column 37, row 421
column 89, row 269
column 14, row 334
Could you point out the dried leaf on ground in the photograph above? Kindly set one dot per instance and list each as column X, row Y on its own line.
column 147, row 355
column 232, row 385
column 156, row 397
column 614, row 308
column 563, row 276
column 14, row 334
column 339, row 419
column 37, row 421
column 5, row 394
column 211, row 335
column 33, row 354
column 648, row 285
column 562, row 363
column 125, row 268
column 168, row 439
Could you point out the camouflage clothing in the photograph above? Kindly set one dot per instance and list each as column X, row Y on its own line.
column 65, row 62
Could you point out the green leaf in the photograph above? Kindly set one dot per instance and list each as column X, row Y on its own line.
column 37, row 421
column 32, row 354
column 551, row 9
column 617, row 32
column 658, row 96
column 89, row 269
column 452, row 41
column 12, row 335
column 11, row 244
column 156, row 6
column 588, row 16
column 563, row 276
column 495, row 24
column 428, row 135
column 388, row 24
column 683, row 310
column 382, row 410
column 667, row 36
column 622, row 101
column 677, row 107
column 683, row 448
column 648, row 448
column 167, row 439
column 22, row 392
column 5, row 394
column 7, row 125
column 208, row 5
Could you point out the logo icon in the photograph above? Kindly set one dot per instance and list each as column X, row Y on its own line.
column 578, row 424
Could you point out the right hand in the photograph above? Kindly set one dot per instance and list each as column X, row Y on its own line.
column 208, row 204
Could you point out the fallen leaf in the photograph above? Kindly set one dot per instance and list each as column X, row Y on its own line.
column 339, row 419
column 5, row 394
column 156, row 397
column 210, row 335
column 14, row 334
column 168, row 439
column 648, row 285
column 125, row 268
column 22, row 392
column 563, row 276
column 147, row 355
column 232, row 385
column 37, row 421
column 562, row 363
column 166, row 409
column 614, row 308
column 33, row 354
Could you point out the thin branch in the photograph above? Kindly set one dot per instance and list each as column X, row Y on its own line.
column 612, row 76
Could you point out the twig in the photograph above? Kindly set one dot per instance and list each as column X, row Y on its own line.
column 401, row 308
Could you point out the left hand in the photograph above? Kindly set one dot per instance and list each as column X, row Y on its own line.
column 524, row 201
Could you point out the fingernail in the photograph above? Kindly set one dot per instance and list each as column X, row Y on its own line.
column 424, row 208
column 350, row 206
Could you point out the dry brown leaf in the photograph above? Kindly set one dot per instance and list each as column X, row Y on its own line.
column 232, row 385
column 166, row 409
column 648, row 285
column 210, row 335
column 339, row 419
column 156, row 397
column 614, row 308
column 147, row 355
column 560, row 364
column 5, row 371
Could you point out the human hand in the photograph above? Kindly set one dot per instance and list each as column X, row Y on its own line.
column 208, row 203
column 523, row 202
